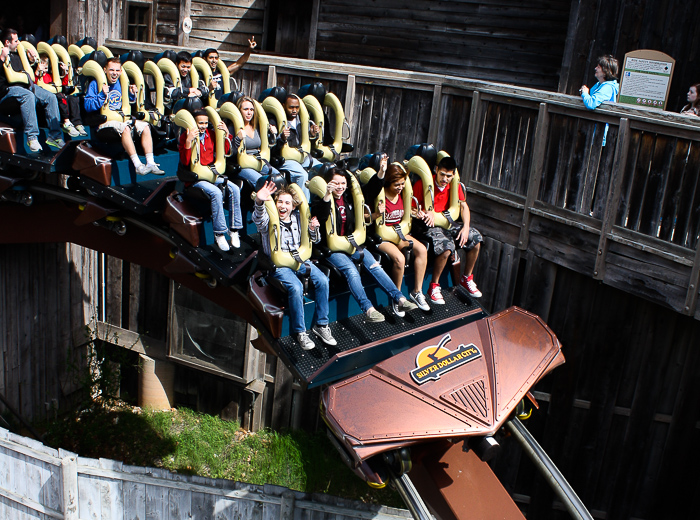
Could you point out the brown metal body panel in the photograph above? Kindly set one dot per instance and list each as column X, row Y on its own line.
column 8, row 141
column 92, row 164
column 182, row 219
column 459, row 398
column 459, row 485
column 268, row 306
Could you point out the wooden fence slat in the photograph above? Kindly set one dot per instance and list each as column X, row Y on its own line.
column 535, row 176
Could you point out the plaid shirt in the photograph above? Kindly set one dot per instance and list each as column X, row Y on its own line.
column 290, row 234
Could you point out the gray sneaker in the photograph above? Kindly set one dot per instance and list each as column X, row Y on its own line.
column 55, row 143
column 34, row 146
column 304, row 341
column 142, row 169
column 374, row 316
column 69, row 129
column 396, row 309
column 324, row 332
column 81, row 130
column 419, row 300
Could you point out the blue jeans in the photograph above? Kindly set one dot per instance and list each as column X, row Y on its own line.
column 295, row 295
column 28, row 100
column 217, row 205
column 344, row 263
column 252, row 176
column 298, row 172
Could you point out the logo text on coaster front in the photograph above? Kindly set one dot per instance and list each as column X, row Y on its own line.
column 435, row 360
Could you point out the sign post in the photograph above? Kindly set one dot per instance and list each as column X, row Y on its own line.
column 646, row 78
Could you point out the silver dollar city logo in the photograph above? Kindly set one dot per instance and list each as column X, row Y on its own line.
column 435, row 360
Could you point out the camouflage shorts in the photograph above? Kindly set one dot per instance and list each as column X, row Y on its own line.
column 444, row 239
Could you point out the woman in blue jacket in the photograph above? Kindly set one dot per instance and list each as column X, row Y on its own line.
column 606, row 89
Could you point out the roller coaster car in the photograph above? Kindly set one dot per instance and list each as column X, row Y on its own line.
column 455, row 388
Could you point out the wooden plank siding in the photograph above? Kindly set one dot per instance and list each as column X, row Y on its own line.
column 500, row 41
column 226, row 25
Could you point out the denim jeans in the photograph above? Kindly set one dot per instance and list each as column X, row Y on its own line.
column 28, row 101
column 252, row 176
column 295, row 295
column 217, row 205
column 344, row 263
column 298, row 172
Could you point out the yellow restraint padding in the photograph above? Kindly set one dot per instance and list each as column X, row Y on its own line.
column 273, row 106
column 14, row 77
column 107, row 52
column 204, row 71
column 94, row 70
column 225, row 75
column 64, row 56
column 136, row 77
column 186, row 120
column 75, row 52
column 230, row 111
column 151, row 69
column 330, row 153
column 284, row 258
column 166, row 66
column 387, row 232
column 55, row 86
column 336, row 242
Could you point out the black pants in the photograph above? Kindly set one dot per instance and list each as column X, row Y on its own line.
column 69, row 108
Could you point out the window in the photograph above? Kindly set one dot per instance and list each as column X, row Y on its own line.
column 138, row 22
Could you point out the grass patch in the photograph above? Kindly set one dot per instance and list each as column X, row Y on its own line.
column 188, row 442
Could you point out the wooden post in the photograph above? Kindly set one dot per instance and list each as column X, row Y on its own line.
column 69, row 474
column 435, row 114
column 535, row 174
column 287, row 506
column 156, row 383
column 313, row 30
column 183, row 39
column 350, row 100
column 271, row 76
column 472, row 138
column 614, row 190
column 691, row 298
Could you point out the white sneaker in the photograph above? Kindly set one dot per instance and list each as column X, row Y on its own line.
column 396, row 309
column 304, row 341
column 69, row 129
column 34, row 146
column 324, row 332
column 155, row 169
column 142, row 169
column 235, row 239
column 419, row 300
column 81, row 130
column 221, row 243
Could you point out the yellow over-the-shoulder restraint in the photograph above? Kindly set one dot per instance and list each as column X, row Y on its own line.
column 204, row 70
column 55, row 86
column 230, row 111
column 385, row 231
column 332, row 152
column 94, row 70
column 272, row 104
column 14, row 77
column 151, row 69
column 417, row 165
column 185, row 119
column 64, row 57
column 291, row 259
column 334, row 240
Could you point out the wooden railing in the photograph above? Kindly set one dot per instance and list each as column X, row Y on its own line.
column 626, row 213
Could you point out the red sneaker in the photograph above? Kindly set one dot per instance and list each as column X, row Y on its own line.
column 435, row 294
column 468, row 283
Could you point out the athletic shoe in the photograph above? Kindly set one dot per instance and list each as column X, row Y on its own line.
column 419, row 300
column 235, row 239
column 143, row 169
column 396, row 309
column 324, row 332
column 155, row 169
column 435, row 294
column 304, row 341
column 374, row 316
column 468, row 283
column 406, row 305
column 81, row 130
column 55, row 143
column 69, row 129
column 34, row 146
column 221, row 243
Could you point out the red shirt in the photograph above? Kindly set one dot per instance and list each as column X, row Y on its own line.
column 340, row 203
column 442, row 198
column 46, row 78
column 393, row 211
column 206, row 149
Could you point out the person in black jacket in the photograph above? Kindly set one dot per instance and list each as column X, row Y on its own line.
column 338, row 181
